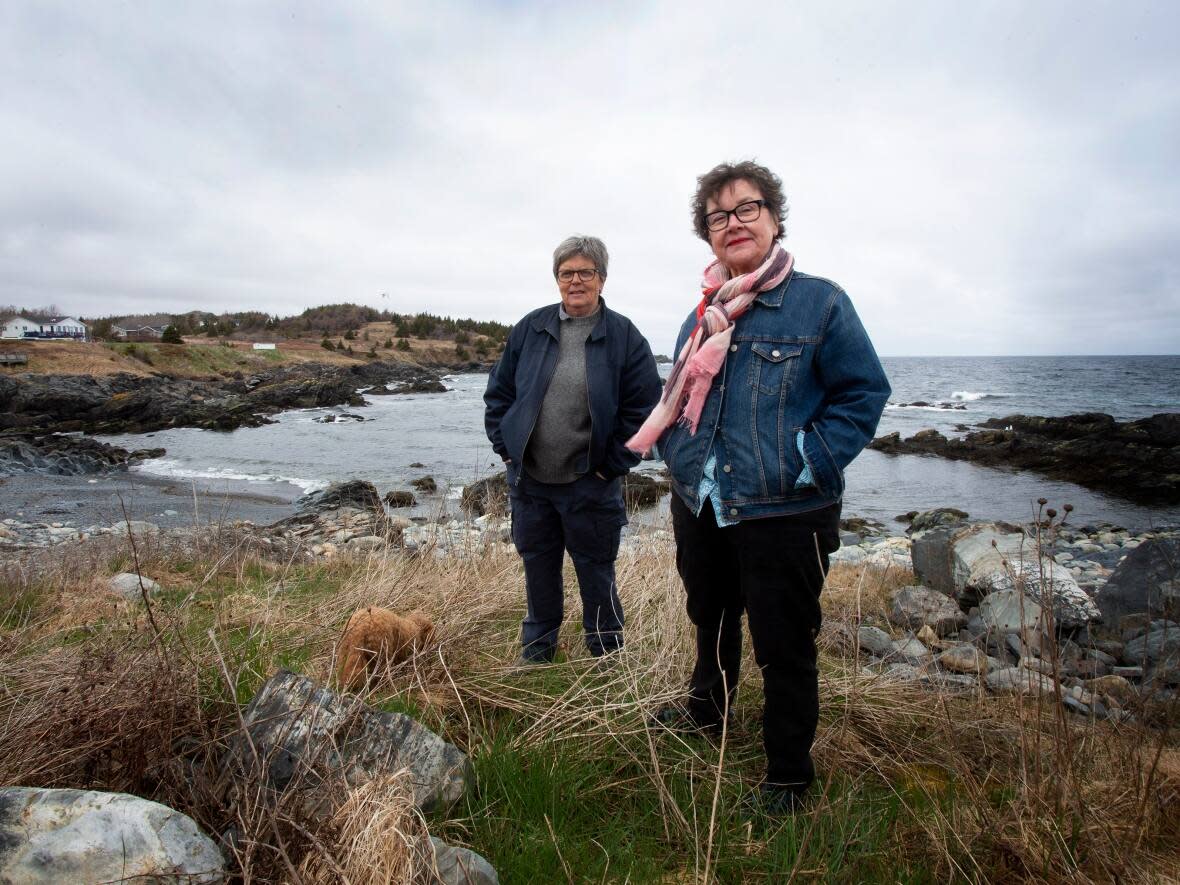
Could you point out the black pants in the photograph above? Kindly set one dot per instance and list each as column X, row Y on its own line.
column 586, row 518
column 774, row 570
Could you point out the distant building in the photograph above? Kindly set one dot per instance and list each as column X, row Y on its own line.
column 263, row 345
column 37, row 327
column 138, row 333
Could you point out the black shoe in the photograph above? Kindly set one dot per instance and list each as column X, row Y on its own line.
column 775, row 800
column 677, row 718
column 534, row 660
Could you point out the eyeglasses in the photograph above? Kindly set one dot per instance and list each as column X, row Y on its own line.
column 585, row 275
column 747, row 211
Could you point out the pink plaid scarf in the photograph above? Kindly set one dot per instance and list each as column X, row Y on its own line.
column 704, row 352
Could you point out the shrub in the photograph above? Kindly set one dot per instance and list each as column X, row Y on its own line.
column 403, row 345
column 327, row 344
column 171, row 335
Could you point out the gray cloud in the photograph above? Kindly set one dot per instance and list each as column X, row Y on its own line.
column 982, row 179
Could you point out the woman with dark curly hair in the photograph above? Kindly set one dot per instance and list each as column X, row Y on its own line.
column 775, row 389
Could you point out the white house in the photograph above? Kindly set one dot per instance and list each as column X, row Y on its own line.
column 44, row 327
column 18, row 327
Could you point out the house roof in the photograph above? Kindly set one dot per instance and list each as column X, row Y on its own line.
column 50, row 321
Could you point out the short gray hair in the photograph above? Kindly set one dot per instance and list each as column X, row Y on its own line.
column 588, row 247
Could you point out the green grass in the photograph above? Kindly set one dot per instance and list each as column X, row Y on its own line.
column 550, row 813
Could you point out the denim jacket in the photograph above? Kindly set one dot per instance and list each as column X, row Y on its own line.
column 799, row 360
column 622, row 386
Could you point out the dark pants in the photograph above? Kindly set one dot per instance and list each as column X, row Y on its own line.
column 586, row 518
column 774, row 570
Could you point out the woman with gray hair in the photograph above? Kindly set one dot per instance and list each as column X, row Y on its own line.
column 776, row 388
column 575, row 381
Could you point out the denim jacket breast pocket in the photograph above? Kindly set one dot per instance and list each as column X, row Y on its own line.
column 773, row 365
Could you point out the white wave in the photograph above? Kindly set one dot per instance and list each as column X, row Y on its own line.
column 177, row 470
column 970, row 396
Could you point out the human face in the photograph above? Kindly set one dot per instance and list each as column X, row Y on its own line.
column 578, row 298
column 741, row 245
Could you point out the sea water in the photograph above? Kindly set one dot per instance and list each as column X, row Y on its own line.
column 444, row 434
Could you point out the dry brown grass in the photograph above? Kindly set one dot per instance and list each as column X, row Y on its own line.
column 72, row 358
column 995, row 789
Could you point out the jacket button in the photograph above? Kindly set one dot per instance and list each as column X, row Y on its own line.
column 774, row 353
column 733, row 511
column 732, row 347
column 728, row 468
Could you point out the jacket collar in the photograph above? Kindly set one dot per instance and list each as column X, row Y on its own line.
column 774, row 297
column 548, row 319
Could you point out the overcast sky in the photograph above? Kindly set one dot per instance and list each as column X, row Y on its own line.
column 982, row 178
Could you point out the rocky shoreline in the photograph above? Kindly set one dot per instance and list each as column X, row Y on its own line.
column 1137, row 460
column 37, row 405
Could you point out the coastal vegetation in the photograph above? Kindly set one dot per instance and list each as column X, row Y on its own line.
column 572, row 782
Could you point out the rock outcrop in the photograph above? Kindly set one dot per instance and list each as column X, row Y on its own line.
column 1138, row 460
column 127, row 403
column 64, row 455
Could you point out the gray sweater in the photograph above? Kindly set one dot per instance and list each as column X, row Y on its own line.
column 562, row 432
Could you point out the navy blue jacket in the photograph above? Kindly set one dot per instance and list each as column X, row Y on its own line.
column 799, row 360
column 622, row 386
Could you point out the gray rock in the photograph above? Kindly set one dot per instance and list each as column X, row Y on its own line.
column 58, row 836
column 930, row 551
column 1018, row 680
column 1159, row 646
column 1009, row 611
column 970, row 562
column 937, row 518
column 1127, row 672
column 1044, row 667
column 305, row 736
column 912, row 649
column 954, row 682
column 1147, row 581
column 874, row 640
column 400, row 498
column 366, row 544
column 963, row 659
column 126, row 584
column 461, row 866
column 915, row 607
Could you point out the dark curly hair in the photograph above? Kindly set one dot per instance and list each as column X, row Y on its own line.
column 710, row 184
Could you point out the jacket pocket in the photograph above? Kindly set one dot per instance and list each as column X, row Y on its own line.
column 829, row 478
column 773, row 365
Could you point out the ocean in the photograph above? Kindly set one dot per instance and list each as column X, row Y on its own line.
column 444, row 434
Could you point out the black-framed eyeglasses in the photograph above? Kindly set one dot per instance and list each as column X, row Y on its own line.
column 747, row 211
column 585, row 275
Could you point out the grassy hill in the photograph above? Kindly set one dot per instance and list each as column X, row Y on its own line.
column 200, row 357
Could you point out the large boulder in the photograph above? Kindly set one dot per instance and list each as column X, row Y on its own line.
column 305, row 737
column 56, row 836
column 940, row 517
column 874, row 640
column 128, row 585
column 1160, row 645
column 486, row 495
column 355, row 493
column 970, row 562
column 1146, row 582
column 916, row 607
